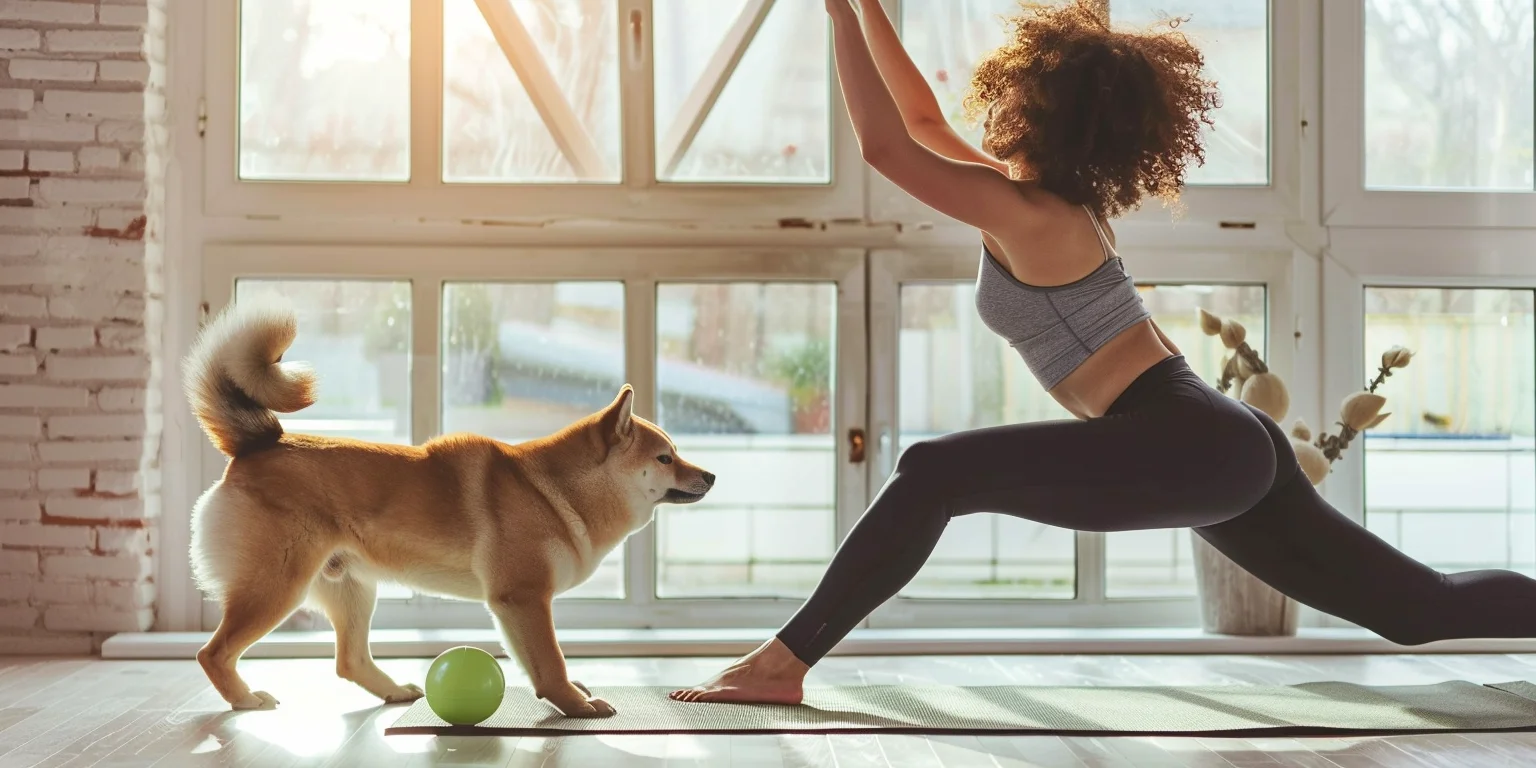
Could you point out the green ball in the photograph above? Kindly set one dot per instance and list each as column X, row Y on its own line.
column 465, row 685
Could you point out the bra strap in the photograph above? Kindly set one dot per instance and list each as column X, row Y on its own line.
column 1103, row 238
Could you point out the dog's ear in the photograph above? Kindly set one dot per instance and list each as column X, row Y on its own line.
column 617, row 421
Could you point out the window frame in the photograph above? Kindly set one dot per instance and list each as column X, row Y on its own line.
column 1347, row 202
column 638, row 196
column 1271, row 205
column 1397, row 257
column 354, row 231
column 1274, row 268
column 641, row 270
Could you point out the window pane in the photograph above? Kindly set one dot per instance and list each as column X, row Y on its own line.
column 946, row 39
column 955, row 374
column 494, row 130
column 524, row 360
column 772, row 122
column 324, row 90
column 1450, row 478
column 357, row 336
column 745, row 377
column 1160, row 563
column 1448, row 94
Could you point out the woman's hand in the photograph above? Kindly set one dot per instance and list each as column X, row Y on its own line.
column 839, row 7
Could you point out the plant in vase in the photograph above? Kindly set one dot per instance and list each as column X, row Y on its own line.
column 1232, row 601
column 806, row 370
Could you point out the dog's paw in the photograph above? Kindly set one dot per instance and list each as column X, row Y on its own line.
column 407, row 692
column 581, row 688
column 257, row 700
column 593, row 708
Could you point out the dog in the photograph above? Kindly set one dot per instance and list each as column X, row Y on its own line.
column 300, row 520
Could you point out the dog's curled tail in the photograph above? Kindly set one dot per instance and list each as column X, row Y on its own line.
column 235, row 377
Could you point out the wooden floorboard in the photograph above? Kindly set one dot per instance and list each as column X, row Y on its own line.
column 83, row 713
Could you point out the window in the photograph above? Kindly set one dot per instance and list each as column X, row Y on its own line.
column 357, row 336
column 756, row 372
column 320, row 95
column 746, row 387
column 489, row 109
column 454, row 156
column 1448, row 95
column 1450, row 477
column 946, row 39
column 531, row 92
column 742, row 91
column 1429, row 113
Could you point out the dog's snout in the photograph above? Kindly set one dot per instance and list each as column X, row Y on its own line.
column 709, row 478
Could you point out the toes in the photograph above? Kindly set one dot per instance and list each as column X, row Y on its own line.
column 581, row 688
column 407, row 692
column 595, row 708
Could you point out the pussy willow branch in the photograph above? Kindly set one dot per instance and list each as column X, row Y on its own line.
column 1229, row 373
column 1333, row 445
column 1381, row 375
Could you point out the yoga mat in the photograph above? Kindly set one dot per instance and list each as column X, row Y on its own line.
column 1314, row 708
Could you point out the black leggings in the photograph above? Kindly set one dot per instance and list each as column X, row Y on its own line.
column 1171, row 453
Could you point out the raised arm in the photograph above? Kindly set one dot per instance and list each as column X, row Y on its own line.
column 974, row 193
column 920, row 110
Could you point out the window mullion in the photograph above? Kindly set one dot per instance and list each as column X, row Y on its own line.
column 426, row 367
column 640, row 575
column 426, row 94
column 637, row 97
column 1092, row 567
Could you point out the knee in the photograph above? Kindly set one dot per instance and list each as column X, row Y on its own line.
column 922, row 459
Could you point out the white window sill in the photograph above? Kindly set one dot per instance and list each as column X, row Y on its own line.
column 863, row 642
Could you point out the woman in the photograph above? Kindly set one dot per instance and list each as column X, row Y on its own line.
column 1082, row 122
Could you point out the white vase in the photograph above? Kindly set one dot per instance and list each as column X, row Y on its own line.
column 1234, row 601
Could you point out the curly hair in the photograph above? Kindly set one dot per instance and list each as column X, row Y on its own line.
column 1096, row 116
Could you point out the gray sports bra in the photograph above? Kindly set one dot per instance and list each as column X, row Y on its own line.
column 1056, row 328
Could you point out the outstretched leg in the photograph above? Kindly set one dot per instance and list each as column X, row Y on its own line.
column 1297, row 543
column 1154, row 467
column 349, row 602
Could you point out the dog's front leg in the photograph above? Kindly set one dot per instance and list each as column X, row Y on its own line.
column 528, row 627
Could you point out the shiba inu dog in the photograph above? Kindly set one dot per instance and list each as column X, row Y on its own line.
column 302, row 520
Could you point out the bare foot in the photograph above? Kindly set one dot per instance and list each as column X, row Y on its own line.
column 769, row 675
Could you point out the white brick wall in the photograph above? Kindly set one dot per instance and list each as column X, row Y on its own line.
column 77, row 433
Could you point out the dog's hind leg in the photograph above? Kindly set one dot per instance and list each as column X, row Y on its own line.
column 250, row 613
column 348, row 602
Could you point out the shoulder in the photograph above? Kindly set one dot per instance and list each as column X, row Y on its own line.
column 1034, row 211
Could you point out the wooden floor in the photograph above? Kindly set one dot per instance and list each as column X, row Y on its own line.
column 84, row 712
